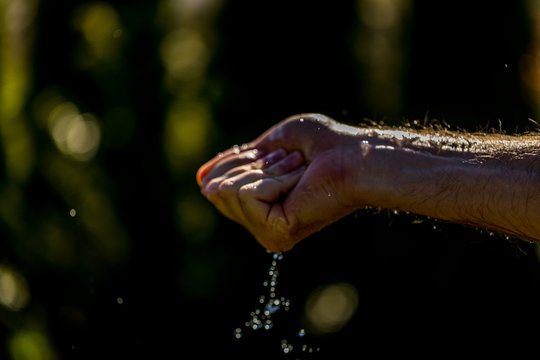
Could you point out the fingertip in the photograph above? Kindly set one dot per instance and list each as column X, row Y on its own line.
column 299, row 157
column 201, row 173
column 244, row 156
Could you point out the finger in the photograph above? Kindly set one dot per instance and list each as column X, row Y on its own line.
column 223, row 192
column 286, row 165
column 226, row 161
column 257, row 198
column 278, row 164
column 268, row 161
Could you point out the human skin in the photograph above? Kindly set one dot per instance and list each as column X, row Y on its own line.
column 308, row 171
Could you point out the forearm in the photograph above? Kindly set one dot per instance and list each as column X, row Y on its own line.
column 488, row 181
column 309, row 171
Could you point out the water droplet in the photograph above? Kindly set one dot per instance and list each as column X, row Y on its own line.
column 236, row 149
column 286, row 347
column 72, row 212
column 269, row 305
column 271, row 309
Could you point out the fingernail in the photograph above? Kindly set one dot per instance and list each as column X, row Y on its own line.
column 298, row 155
column 293, row 159
column 273, row 156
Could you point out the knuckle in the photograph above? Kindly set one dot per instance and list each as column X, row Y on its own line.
column 226, row 187
column 210, row 190
column 248, row 191
column 244, row 191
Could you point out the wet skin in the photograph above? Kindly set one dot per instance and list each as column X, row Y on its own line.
column 308, row 171
column 286, row 184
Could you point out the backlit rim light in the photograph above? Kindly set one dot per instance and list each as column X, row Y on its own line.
column 329, row 308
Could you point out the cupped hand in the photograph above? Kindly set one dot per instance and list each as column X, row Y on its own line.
column 287, row 184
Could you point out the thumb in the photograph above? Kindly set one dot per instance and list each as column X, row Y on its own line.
column 257, row 198
column 264, row 211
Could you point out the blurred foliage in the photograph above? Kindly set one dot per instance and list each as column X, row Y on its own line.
column 107, row 108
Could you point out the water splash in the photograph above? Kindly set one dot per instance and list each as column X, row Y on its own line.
column 268, row 305
column 261, row 317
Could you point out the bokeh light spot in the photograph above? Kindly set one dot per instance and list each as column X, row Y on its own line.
column 184, row 54
column 186, row 131
column 330, row 307
column 30, row 345
column 14, row 291
column 77, row 135
column 196, row 219
column 100, row 25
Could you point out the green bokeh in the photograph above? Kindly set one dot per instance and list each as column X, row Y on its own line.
column 107, row 108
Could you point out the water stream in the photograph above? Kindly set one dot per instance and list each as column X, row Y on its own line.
column 269, row 304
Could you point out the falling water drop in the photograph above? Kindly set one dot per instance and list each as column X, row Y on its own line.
column 286, row 347
column 261, row 318
column 269, row 305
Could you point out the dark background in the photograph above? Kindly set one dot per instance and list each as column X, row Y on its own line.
column 148, row 269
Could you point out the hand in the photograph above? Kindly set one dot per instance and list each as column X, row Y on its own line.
column 290, row 182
